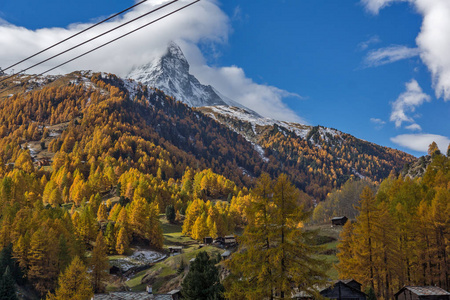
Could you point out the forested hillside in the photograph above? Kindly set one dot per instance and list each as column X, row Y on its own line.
column 317, row 159
column 401, row 235
column 89, row 161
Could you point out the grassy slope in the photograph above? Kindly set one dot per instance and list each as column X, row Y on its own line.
column 163, row 275
column 325, row 231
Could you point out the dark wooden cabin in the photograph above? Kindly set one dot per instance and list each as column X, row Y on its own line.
column 208, row 240
column 339, row 221
column 422, row 293
column 341, row 289
column 175, row 250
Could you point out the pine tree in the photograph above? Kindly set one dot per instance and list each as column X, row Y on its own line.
column 371, row 294
column 110, row 238
column 8, row 261
column 7, row 286
column 74, row 283
column 202, row 281
column 170, row 213
column 99, row 263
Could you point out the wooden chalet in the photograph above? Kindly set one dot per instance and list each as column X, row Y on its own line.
column 344, row 291
column 230, row 241
column 339, row 221
column 175, row 250
column 422, row 293
column 226, row 242
column 341, row 289
column 43, row 162
column 208, row 240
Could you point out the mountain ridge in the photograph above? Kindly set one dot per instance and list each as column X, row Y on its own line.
column 234, row 142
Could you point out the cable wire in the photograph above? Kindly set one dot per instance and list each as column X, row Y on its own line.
column 90, row 40
column 105, row 44
column 74, row 35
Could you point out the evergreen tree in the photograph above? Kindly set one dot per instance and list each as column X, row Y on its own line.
column 110, row 238
column 7, row 286
column 170, row 213
column 8, row 261
column 202, row 281
column 74, row 283
column 371, row 294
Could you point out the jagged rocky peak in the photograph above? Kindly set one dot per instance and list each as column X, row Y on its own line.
column 170, row 73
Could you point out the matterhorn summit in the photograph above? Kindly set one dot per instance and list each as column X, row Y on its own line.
column 170, row 73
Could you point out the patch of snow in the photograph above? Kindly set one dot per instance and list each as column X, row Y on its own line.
column 358, row 174
column 255, row 119
column 54, row 134
column 260, row 150
column 131, row 86
column 138, row 258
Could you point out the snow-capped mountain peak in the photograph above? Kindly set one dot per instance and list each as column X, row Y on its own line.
column 170, row 73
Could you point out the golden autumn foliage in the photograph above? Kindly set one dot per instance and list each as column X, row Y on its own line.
column 74, row 283
column 149, row 150
column 401, row 236
column 275, row 253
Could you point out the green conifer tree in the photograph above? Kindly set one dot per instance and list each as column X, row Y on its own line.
column 202, row 281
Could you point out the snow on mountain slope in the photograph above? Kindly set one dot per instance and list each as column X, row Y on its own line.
column 255, row 119
column 170, row 73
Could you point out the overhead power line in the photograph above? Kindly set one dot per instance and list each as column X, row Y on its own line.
column 74, row 35
column 105, row 44
column 90, row 40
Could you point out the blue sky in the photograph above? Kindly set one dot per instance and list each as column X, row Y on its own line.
column 362, row 67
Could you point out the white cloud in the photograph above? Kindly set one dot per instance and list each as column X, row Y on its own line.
column 420, row 142
column 433, row 40
column 201, row 24
column 407, row 103
column 265, row 100
column 374, row 6
column 379, row 124
column 389, row 55
column 377, row 121
column 202, row 21
column 414, row 127
column 366, row 44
